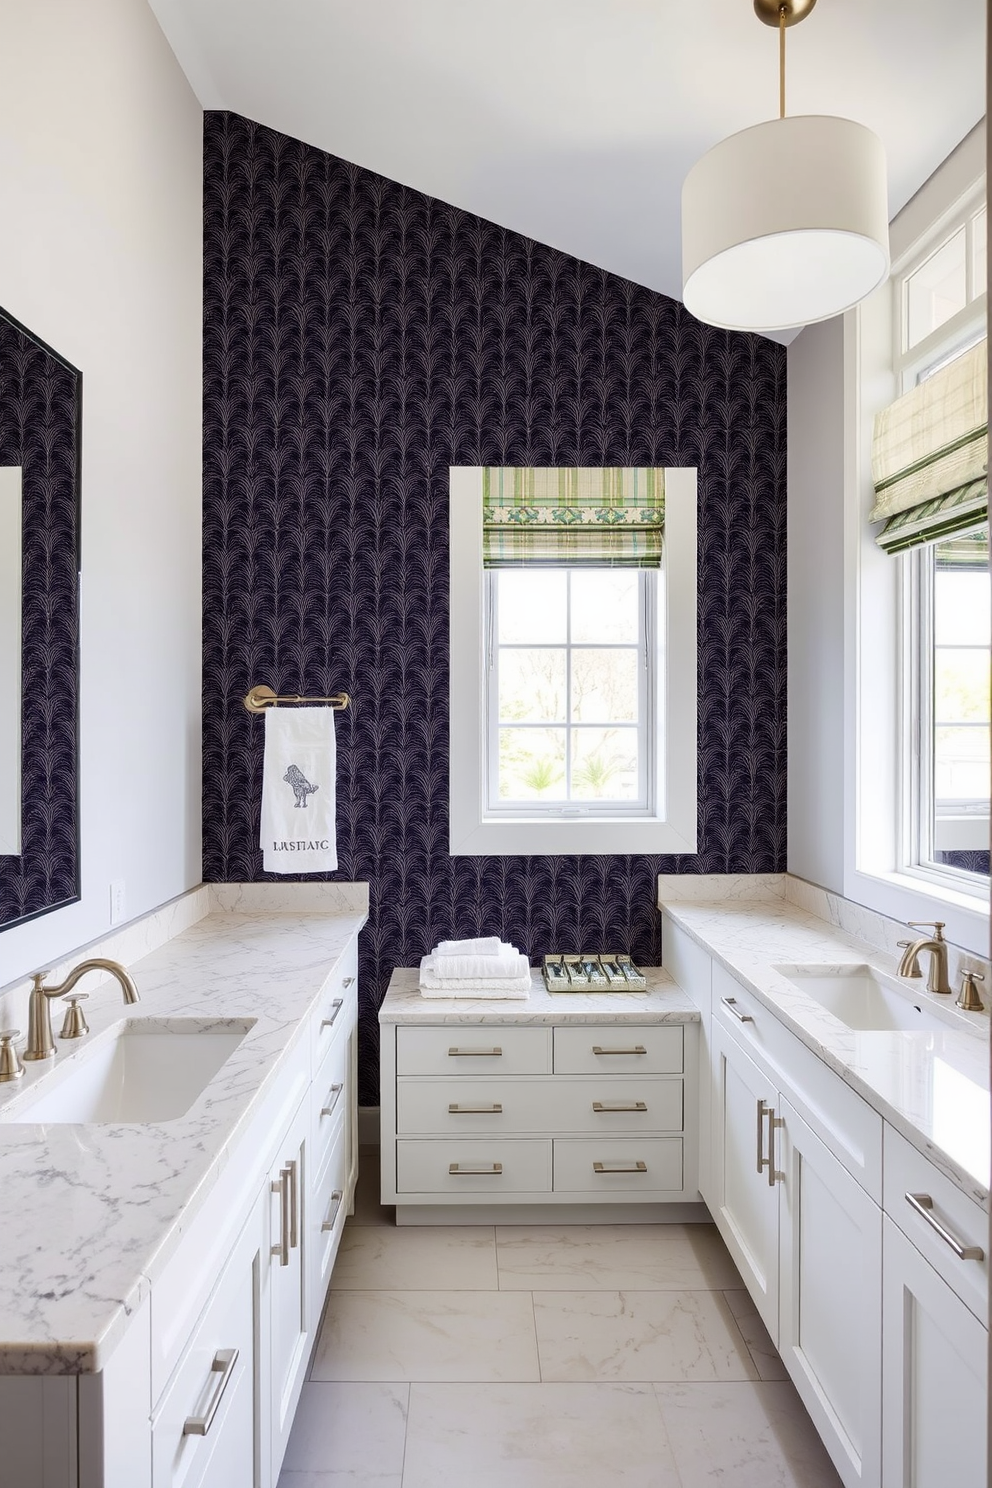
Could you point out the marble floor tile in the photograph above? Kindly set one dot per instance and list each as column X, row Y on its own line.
column 349, row 1428
column 647, row 1336
column 765, row 1356
column 744, row 1436
column 339, row 1480
column 368, row 1209
column 422, row 1335
column 568, row 1258
column 536, row 1436
column 373, row 1257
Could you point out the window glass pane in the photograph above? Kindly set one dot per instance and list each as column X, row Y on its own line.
column 937, row 290
column 532, row 686
column 605, row 605
column 961, row 685
column 533, row 605
column 532, row 764
column 604, row 764
column 962, row 612
column 604, row 686
column 979, row 248
column 961, row 767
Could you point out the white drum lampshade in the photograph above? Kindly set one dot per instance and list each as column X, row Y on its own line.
column 785, row 224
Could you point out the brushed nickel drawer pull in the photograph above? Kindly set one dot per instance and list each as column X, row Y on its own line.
column 280, row 1186
column 730, row 1003
column 294, row 1208
column 335, row 1092
column 336, row 1006
column 475, row 1053
column 332, row 1213
column 347, row 982
column 637, row 1049
column 761, row 1159
column 607, row 1108
column 616, row 1167
column 457, row 1171
column 495, row 1109
column 923, row 1204
column 223, row 1367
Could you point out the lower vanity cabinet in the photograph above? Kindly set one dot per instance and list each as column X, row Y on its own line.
column 285, row 1284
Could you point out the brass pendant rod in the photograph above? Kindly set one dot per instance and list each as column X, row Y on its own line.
column 782, row 12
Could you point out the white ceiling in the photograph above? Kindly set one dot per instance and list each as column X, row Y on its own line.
column 575, row 121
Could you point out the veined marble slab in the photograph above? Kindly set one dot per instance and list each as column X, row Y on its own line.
column 92, row 1213
column 933, row 1087
column 663, row 1002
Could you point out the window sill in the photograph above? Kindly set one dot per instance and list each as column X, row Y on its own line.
column 903, row 896
column 527, row 837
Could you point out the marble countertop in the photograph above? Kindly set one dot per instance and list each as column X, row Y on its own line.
column 663, row 1002
column 933, row 1087
column 92, row 1213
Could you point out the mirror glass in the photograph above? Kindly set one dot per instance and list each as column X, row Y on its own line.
column 40, row 422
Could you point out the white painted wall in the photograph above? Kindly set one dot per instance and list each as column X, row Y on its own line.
column 816, row 604
column 101, row 256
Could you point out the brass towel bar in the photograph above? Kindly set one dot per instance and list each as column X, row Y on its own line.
column 260, row 698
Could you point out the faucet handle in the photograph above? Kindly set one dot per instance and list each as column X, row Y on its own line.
column 11, row 1067
column 937, row 926
column 969, row 998
column 74, row 1024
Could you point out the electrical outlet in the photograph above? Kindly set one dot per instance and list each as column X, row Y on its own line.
column 118, row 901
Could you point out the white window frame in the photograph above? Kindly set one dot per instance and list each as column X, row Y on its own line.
column 671, row 827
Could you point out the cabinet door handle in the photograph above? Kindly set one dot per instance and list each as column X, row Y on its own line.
column 730, row 1003
column 333, row 1096
column 764, row 1109
column 294, row 1207
column 457, row 1170
column 280, row 1186
column 336, row 1007
column 331, row 1218
column 223, row 1367
column 495, row 1053
column 761, row 1158
column 494, row 1110
column 923, row 1205
column 637, row 1049
column 607, row 1108
column 616, row 1167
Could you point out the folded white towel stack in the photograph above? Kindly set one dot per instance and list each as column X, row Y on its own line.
column 298, row 791
column 482, row 968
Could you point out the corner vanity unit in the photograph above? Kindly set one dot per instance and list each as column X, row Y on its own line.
column 844, row 1115
column 176, row 1188
column 574, row 1106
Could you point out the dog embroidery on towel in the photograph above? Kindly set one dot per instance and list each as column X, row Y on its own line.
column 302, row 788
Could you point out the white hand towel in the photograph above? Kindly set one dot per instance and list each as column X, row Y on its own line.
column 509, row 987
column 298, row 832
column 507, row 966
column 486, row 945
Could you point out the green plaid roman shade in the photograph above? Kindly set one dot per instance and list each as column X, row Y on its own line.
column 566, row 518
column 930, row 456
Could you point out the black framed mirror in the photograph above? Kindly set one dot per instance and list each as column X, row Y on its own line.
column 40, row 434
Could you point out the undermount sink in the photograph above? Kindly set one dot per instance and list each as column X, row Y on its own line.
column 862, row 998
column 141, row 1070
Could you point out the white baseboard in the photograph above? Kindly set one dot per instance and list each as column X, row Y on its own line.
column 368, row 1126
column 551, row 1214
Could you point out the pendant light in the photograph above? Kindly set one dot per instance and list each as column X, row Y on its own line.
column 785, row 223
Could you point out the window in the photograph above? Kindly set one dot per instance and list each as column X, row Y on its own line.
column 572, row 689
column 571, row 671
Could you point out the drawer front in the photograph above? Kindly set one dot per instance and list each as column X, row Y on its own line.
column 328, row 1211
column 503, row 1166
column 619, row 1049
column 473, row 1049
column 907, row 1171
column 338, row 1007
column 329, row 1098
column 625, row 1164
column 220, row 1397
column 470, row 1107
column 846, row 1125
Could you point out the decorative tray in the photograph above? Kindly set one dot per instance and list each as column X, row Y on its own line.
column 593, row 972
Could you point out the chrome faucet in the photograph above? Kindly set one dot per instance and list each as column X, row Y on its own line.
column 909, row 966
column 40, row 1044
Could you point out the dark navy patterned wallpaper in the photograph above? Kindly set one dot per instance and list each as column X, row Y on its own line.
column 360, row 338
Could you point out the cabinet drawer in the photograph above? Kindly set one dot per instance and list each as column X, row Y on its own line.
column 505, row 1166
column 337, row 1009
column 328, row 1210
column 329, row 1095
column 211, row 1388
column 614, row 1049
column 907, row 1171
column 473, row 1049
column 624, row 1103
column 628, row 1164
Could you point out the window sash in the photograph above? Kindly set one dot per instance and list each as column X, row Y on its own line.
column 646, row 729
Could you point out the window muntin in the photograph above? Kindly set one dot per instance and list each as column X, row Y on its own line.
column 940, row 295
column 571, row 679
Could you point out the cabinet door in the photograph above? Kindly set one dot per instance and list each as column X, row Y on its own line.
column 831, row 1299
column 934, row 1372
column 744, row 1204
column 286, row 1286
